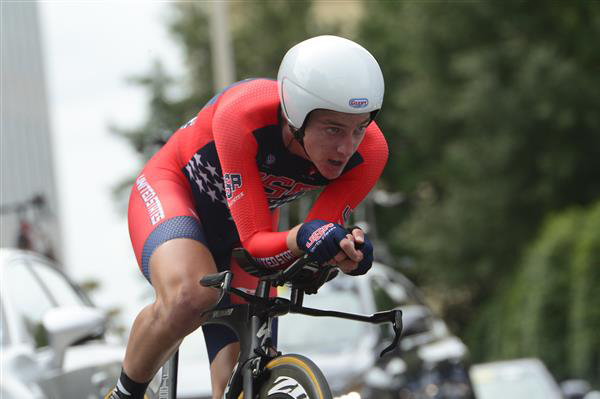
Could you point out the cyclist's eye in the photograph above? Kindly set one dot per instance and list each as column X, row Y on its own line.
column 332, row 130
column 360, row 131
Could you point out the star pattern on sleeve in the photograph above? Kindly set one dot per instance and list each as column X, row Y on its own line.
column 207, row 179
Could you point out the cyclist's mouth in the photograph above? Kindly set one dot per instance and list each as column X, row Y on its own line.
column 335, row 163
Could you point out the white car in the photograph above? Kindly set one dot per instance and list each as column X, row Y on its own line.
column 515, row 379
column 51, row 336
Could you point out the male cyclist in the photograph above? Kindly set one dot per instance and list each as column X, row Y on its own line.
column 217, row 184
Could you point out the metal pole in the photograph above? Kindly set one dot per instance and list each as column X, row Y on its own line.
column 222, row 51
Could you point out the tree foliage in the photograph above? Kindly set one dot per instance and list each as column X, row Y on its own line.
column 265, row 31
column 584, row 309
column 550, row 308
column 173, row 101
column 491, row 112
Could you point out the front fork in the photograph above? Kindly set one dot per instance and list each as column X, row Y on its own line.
column 261, row 347
column 255, row 349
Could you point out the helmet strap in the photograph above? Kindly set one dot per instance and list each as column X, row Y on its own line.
column 298, row 134
column 299, row 137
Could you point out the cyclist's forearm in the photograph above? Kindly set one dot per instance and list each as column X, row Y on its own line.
column 291, row 240
column 273, row 249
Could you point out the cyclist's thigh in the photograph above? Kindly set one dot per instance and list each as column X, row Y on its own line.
column 167, row 235
column 178, row 263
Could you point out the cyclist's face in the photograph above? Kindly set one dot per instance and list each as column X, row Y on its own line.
column 331, row 138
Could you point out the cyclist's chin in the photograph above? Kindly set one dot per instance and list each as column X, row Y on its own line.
column 330, row 171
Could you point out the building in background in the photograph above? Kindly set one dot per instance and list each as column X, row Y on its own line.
column 28, row 200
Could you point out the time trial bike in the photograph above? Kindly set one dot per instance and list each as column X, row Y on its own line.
column 261, row 371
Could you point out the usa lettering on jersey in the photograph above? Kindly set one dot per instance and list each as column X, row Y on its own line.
column 283, row 189
column 232, row 182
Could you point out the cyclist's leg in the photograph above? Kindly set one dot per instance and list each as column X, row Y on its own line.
column 221, row 368
column 176, row 267
column 171, row 250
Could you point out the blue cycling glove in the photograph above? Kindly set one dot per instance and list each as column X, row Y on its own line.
column 320, row 239
column 367, row 250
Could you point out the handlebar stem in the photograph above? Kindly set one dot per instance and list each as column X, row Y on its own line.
column 297, row 296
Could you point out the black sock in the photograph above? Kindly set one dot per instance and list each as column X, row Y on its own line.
column 129, row 389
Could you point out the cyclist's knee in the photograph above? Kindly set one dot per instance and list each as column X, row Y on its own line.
column 182, row 310
column 193, row 298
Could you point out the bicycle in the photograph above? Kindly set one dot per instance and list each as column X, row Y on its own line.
column 261, row 371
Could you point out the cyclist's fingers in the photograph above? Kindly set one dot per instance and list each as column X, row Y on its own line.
column 347, row 246
column 340, row 257
column 359, row 236
column 347, row 265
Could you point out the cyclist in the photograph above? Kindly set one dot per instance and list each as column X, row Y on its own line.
column 218, row 181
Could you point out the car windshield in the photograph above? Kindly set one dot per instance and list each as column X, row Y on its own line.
column 57, row 285
column 307, row 333
column 518, row 382
column 32, row 289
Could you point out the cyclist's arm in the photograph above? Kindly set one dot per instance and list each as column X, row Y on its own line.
column 237, row 149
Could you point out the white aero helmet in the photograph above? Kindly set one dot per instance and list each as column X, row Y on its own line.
column 328, row 72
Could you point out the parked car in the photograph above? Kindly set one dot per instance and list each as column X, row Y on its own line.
column 51, row 335
column 575, row 388
column 516, row 379
column 430, row 362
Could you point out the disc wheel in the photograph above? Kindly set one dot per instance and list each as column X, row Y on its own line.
column 294, row 377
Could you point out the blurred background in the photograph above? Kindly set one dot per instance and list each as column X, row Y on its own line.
column 490, row 201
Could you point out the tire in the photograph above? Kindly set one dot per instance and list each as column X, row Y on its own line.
column 294, row 377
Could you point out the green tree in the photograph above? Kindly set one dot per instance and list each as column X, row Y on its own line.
column 550, row 308
column 584, row 340
column 535, row 305
column 264, row 30
column 490, row 112
column 173, row 101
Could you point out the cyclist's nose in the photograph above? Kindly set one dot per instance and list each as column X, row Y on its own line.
column 346, row 146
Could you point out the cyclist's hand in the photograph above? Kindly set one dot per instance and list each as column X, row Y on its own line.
column 356, row 257
column 320, row 239
column 349, row 256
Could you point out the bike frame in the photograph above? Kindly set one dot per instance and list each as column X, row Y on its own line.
column 252, row 323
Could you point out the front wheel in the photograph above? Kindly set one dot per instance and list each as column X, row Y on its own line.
column 294, row 377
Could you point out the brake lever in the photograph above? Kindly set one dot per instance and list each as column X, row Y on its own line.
column 220, row 281
column 397, row 325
